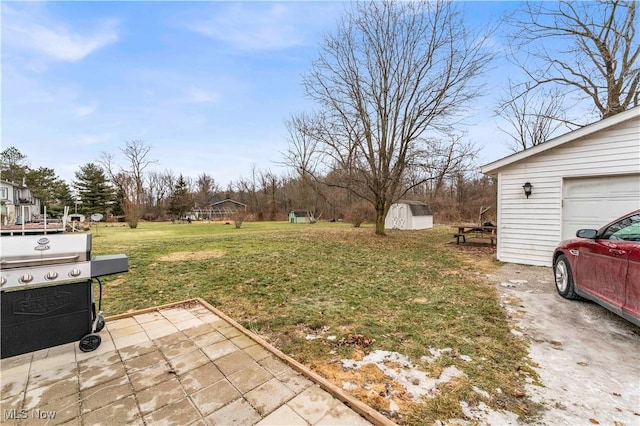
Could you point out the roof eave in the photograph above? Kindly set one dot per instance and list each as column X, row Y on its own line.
column 493, row 168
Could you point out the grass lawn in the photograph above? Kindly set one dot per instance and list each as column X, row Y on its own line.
column 407, row 292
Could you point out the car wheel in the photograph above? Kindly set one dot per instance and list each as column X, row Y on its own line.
column 564, row 278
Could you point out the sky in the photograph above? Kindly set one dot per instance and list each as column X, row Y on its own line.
column 207, row 85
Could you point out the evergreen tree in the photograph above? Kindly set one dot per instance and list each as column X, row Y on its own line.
column 62, row 197
column 181, row 200
column 94, row 190
column 52, row 191
column 13, row 165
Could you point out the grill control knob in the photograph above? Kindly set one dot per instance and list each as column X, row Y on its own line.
column 51, row 275
column 26, row 278
column 75, row 272
column 3, row 281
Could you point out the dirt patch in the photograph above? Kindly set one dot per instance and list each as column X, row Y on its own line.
column 477, row 257
column 191, row 255
column 117, row 282
column 368, row 382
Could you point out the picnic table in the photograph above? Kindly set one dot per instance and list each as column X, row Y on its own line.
column 475, row 231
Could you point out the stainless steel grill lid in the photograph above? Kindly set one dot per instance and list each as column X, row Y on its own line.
column 37, row 250
column 36, row 260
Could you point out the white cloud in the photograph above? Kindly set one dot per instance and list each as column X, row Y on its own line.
column 85, row 110
column 39, row 33
column 198, row 95
column 257, row 26
column 92, row 139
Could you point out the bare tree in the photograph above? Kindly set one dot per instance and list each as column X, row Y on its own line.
column 587, row 47
column 206, row 188
column 302, row 156
column 249, row 192
column 130, row 179
column 269, row 185
column 444, row 158
column 392, row 72
column 532, row 118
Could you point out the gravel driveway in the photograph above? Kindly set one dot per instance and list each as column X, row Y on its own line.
column 588, row 358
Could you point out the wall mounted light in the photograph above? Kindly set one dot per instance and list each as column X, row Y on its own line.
column 528, row 189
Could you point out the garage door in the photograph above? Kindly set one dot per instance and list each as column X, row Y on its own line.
column 593, row 202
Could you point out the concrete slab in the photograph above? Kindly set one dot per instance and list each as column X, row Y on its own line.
column 587, row 358
column 181, row 364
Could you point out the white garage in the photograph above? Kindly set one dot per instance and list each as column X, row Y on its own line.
column 593, row 201
column 582, row 179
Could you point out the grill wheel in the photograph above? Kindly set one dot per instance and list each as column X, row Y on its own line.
column 90, row 342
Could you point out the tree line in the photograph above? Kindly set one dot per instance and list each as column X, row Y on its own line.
column 456, row 194
column 391, row 85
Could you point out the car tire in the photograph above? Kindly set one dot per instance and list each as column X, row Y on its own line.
column 564, row 278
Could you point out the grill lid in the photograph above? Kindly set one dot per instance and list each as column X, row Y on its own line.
column 39, row 250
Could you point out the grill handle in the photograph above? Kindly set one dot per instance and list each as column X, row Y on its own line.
column 39, row 261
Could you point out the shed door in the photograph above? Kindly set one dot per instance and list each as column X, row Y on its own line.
column 594, row 202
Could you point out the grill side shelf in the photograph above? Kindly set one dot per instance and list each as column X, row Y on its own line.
column 109, row 264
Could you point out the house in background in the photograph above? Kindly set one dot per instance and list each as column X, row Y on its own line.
column 405, row 214
column 582, row 179
column 17, row 203
column 299, row 216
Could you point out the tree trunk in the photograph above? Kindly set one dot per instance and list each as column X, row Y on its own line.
column 380, row 221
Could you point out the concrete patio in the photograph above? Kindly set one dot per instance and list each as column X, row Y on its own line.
column 182, row 364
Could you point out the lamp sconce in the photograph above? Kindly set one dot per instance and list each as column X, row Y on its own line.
column 528, row 189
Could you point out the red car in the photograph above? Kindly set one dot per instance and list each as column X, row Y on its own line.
column 603, row 266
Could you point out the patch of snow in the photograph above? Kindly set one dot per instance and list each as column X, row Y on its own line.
column 417, row 382
column 436, row 353
column 482, row 393
column 348, row 386
column 486, row 415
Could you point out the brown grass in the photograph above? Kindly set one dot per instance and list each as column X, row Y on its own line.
column 191, row 255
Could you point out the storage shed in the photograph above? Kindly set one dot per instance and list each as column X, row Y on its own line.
column 582, row 179
column 405, row 214
column 299, row 216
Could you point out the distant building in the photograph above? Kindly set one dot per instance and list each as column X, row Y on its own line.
column 220, row 210
column 17, row 203
column 299, row 216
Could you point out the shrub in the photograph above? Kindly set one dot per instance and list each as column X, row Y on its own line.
column 238, row 219
column 359, row 213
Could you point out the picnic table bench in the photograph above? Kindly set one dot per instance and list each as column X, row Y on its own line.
column 475, row 231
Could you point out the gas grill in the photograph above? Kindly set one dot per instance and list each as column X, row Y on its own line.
column 46, row 291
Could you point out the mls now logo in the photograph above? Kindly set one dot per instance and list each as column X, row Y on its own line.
column 14, row 414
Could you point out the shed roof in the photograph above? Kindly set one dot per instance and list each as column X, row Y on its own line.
column 300, row 213
column 228, row 200
column 417, row 208
column 493, row 168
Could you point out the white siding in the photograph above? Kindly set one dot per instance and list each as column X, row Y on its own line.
column 422, row 222
column 399, row 216
column 529, row 229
